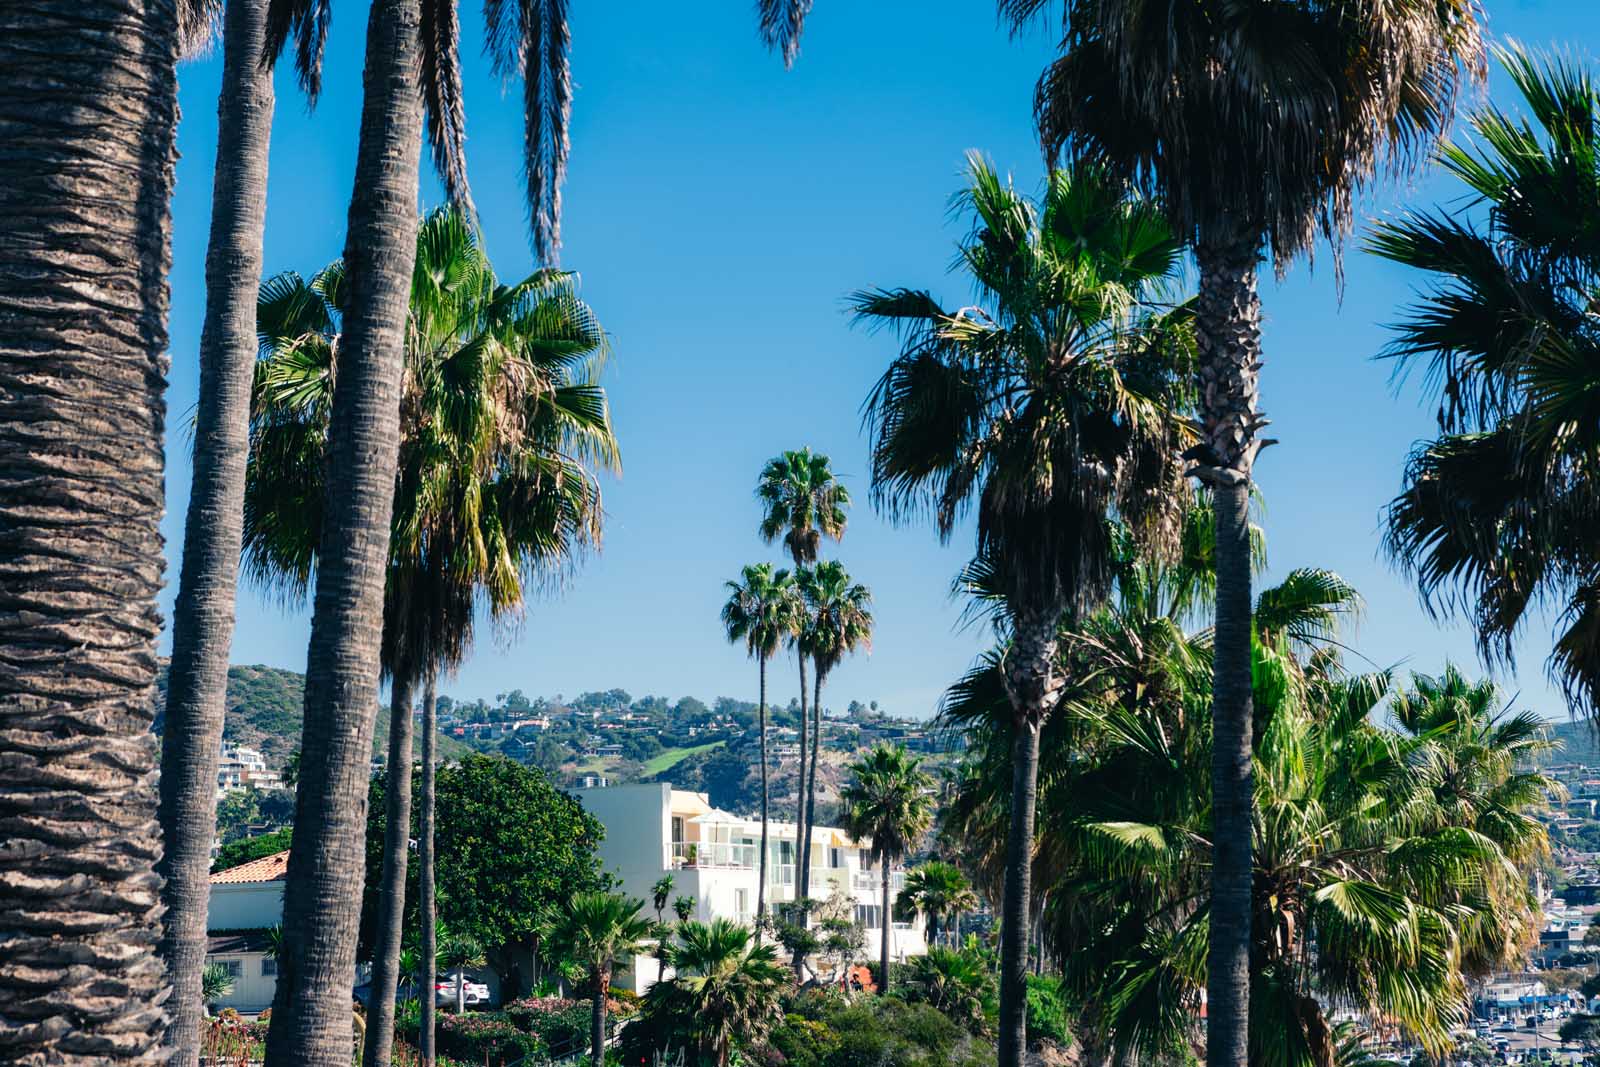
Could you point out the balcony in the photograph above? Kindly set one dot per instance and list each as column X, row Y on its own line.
column 713, row 854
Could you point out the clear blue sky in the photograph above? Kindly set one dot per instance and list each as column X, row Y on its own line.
column 718, row 209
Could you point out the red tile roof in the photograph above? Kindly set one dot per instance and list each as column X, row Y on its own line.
column 266, row 869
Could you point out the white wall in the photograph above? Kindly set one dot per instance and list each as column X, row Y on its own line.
column 245, row 905
column 638, row 832
column 252, row 990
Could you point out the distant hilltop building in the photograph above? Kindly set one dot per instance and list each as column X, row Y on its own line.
column 245, row 768
column 654, row 830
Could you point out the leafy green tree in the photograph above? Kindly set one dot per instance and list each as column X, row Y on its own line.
column 887, row 805
column 1583, row 1030
column 591, row 933
column 237, row 810
column 763, row 608
column 251, row 848
column 1492, row 516
column 725, row 988
column 512, row 848
column 802, row 501
column 1312, row 101
column 1047, row 406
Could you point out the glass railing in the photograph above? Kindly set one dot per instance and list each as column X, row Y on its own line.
column 713, row 854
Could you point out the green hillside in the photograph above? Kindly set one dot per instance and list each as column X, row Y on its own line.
column 264, row 712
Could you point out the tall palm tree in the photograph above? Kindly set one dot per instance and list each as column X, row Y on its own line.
column 801, row 503
column 86, row 179
column 1312, row 100
column 427, row 906
column 838, row 621
column 594, row 931
column 501, row 420
column 727, row 985
column 762, row 609
column 937, row 891
column 887, row 803
column 1495, row 513
column 203, row 614
column 1044, row 409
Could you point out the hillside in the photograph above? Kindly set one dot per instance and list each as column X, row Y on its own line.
column 265, row 709
column 1580, row 742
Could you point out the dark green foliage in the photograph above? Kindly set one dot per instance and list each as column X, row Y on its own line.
column 1582, row 1029
column 1047, row 1011
column 251, row 848
column 823, row 1030
column 510, row 845
column 560, row 1023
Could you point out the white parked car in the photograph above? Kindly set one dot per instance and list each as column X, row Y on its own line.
column 444, row 992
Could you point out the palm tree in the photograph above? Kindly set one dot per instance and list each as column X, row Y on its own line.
column 1494, row 513
column 762, row 608
column 216, row 982
column 802, row 502
column 660, row 894
column 727, row 985
column 459, row 953
column 683, row 908
column 428, row 946
column 888, row 804
column 1044, row 410
column 595, row 931
column 937, row 891
column 1312, row 100
column 203, row 615
column 836, row 620
column 85, row 215
column 958, row 984
column 501, row 420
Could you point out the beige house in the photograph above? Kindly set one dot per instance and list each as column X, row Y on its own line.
column 246, row 903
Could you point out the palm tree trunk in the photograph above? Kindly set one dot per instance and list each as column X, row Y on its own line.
column 87, row 111
column 597, row 1019
column 801, row 831
column 887, row 923
column 203, row 616
column 811, row 774
column 311, row 1020
column 461, row 990
column 425, row 903
column 392, row 880
column 761, row 876
column 1228, row 313
column 1031, row 684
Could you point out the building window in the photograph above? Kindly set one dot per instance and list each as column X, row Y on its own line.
column 741, row 902
column 269, row 966
column 835, row 858
column 677, row 829
column 235, row 968
column 867, row 915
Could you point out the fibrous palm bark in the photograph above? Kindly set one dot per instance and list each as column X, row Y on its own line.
column 87, row 113
column 1031, row 683
column 392, row 880
column 1228, row 314
column 311, row 1021
column 761, row 867
column 425, row 890
column 203, row 617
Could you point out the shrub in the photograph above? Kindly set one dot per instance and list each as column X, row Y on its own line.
column 488, row 1037
column 1047, row 1011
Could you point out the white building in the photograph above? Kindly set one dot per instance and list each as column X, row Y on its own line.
column 246, row 903
column 243, row 767
column 653, row 830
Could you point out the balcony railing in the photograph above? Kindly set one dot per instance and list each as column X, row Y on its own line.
column 713, row 854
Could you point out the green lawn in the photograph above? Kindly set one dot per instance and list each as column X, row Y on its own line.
column 669, row 759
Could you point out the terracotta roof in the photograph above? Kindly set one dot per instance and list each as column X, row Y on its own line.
column 266, row 869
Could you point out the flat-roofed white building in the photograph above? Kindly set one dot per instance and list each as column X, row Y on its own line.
column 653, row 830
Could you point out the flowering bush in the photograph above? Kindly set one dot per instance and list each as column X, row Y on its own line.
column 229, row 1041
column 488, row 1038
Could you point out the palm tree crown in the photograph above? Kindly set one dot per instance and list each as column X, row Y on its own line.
column 887, row 802
column 839, row 616
column 727, row 986
column 937, row 891
column 763, row 609
column 1496, row 513
column 802, row 502
column 1048, row 403
column 502, row 420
